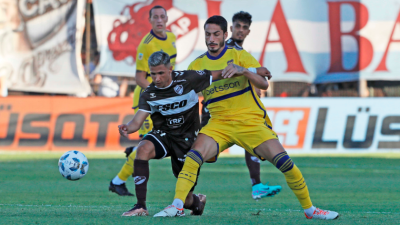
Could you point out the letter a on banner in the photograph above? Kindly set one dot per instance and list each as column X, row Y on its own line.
column 382, row 64
column 285, row 38
column 213, row 7
column 365, row 50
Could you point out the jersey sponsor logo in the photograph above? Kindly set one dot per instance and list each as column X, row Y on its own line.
column 139, row 180
column 140, row 56
column 175, row 122
column 220, row 88
column 290, row 124
column 200, row 72
column 174, row 105
column 152, row 95
column 178, row 89
column 183, row 80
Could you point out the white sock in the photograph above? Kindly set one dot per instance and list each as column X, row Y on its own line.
column 117, row 181
column 310, row 211
column 177, row 203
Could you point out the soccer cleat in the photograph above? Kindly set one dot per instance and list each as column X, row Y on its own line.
column 171, row 211
column 321, row 214
column 121, row 189
column 199, row 210
column 137, row 210
column 260, row 191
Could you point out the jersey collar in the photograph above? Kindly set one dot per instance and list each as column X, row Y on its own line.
column 218, row 56
column 166, row 86
column 159, row 38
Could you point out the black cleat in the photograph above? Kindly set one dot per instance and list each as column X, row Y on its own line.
column 199, row 210
column 121, row 189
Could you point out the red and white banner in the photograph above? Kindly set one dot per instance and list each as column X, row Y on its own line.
column 40, row 43
column 309, row 41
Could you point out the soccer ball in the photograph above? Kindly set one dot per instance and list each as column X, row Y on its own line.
column 73, row 165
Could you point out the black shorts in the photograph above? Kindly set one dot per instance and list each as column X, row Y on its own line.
column 175, row 146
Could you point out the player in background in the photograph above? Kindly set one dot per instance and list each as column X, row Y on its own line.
column 172, row 101
column 237, row 117
column 156, row 40
column 240, row 28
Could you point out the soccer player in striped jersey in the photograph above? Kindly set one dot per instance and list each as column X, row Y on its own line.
column 172, row 101
column 156, row 40
column 237, row 117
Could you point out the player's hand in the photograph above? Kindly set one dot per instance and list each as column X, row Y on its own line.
column 123, row 130
column 262, row 71
column 232, row 70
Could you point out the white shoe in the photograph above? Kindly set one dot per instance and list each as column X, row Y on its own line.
column 171, row 211
column 321, row 214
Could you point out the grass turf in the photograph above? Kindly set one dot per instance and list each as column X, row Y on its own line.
column 364, row 190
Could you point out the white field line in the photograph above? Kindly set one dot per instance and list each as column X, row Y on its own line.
column 104, row 206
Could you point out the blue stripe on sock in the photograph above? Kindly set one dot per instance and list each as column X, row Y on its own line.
column 197, row 154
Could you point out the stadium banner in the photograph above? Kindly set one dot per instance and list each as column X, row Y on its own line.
column 334, row 125
column 40, row 44
column 64, row 123
column 307, row 41
column 303, row 125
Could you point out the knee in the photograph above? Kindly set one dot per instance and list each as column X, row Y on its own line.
column 283, row 162
column 145, row 152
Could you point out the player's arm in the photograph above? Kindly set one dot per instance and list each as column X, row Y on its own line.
column 141, row 79
column 236, row 70
column 262, row 71
column 133, row 125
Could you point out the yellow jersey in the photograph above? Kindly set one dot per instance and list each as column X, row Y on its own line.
column 152, row 43
column 233, row 98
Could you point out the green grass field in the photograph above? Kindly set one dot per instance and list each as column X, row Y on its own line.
column 364, row 190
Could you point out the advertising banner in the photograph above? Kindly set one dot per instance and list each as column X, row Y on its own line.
column 303, row 125
column 307, row 41
column 64, row 123
column 40, row 43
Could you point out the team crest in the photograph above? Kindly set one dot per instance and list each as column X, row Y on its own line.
column 200, row 72
column 178, row 89
column 229, row 62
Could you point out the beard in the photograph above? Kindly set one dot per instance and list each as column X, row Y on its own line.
column 237, row 41
column 220, row 45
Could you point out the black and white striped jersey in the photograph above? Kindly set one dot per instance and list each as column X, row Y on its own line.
column 175, row 109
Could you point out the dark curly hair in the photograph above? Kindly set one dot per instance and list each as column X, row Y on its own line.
column 243, row 17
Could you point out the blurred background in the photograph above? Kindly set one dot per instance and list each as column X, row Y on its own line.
column 67, row 69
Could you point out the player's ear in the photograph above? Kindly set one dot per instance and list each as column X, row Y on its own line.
column 231, row 28
column 225, row 35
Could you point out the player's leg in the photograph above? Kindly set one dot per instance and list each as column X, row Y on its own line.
column 259, row 190
column 203, row 149
column 117, row 185
column 273, row 151
column 149, row 148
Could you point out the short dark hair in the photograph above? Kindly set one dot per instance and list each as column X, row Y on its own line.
column 157, row 7
column 159, row 58
column 242, row 16
column 220, row 21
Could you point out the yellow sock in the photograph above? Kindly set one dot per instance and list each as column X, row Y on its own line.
column 294, row 178
column 188, row 175
column 127, row 168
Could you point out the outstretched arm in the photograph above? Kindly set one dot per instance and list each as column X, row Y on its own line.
column 133, row 125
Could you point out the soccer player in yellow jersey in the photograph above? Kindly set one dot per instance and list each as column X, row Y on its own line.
column 240, row 29
column 158, row 39
column 237, row 117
